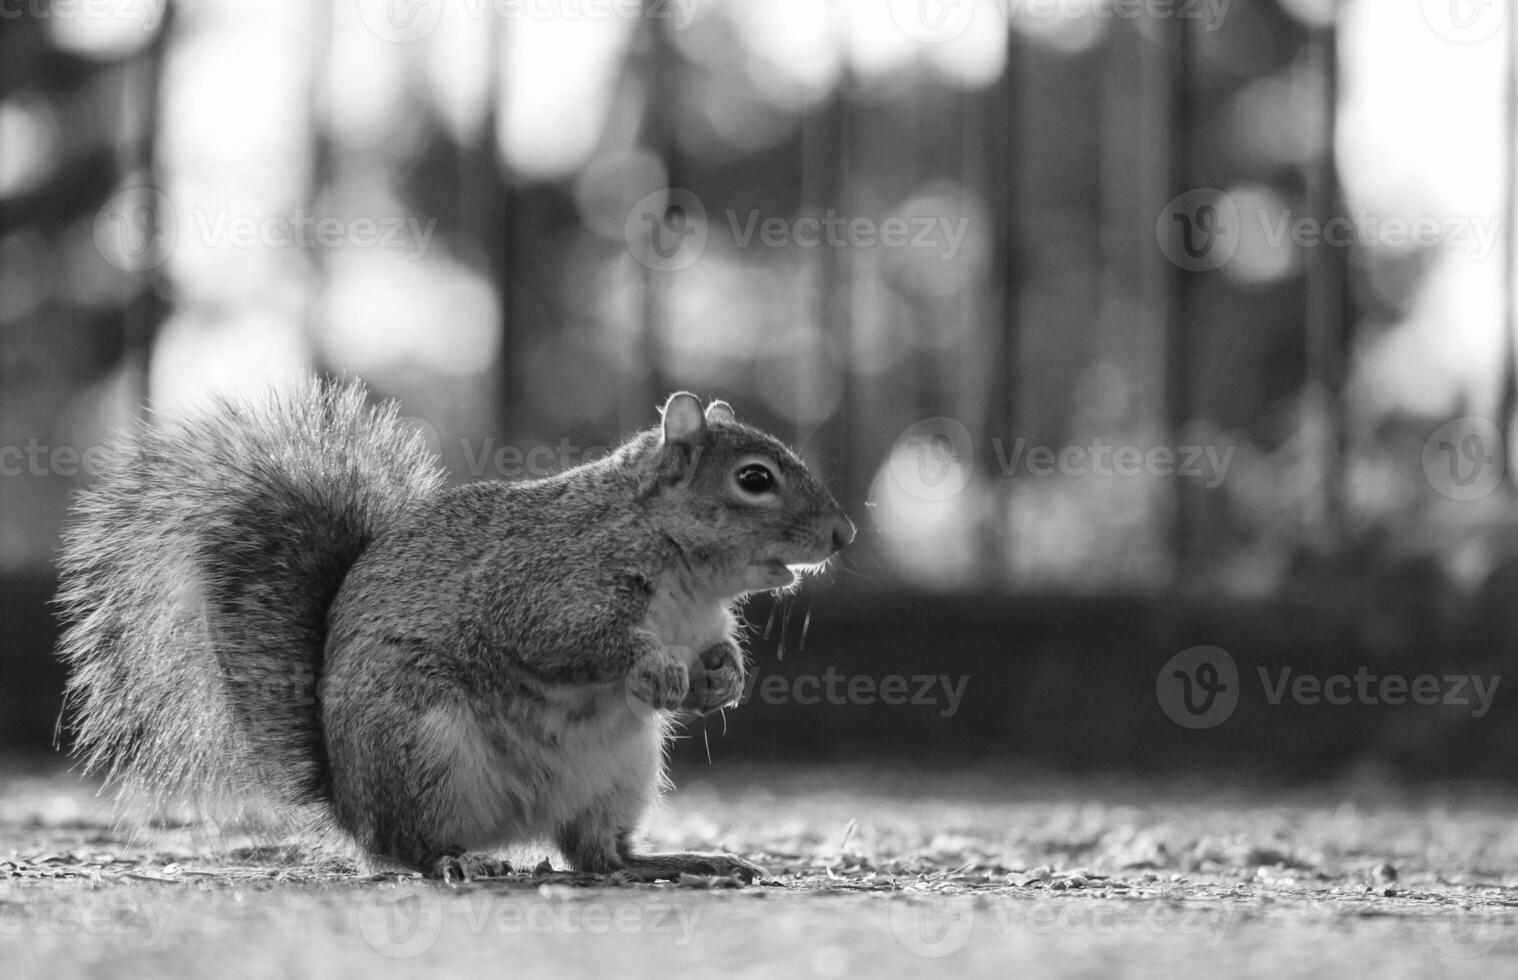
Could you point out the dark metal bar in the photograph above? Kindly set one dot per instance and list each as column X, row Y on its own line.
column 661, row 64
column 827, row 162
column 1002, row 132
column 1508, row 406
column 488, row 221
column 321, row 103
column 147, row 307
column 1326, row 319
column 1180, row 298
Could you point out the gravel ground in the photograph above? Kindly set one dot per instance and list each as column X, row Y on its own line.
column 877, row 872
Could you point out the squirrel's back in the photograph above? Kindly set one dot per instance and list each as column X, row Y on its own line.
column 196, row 580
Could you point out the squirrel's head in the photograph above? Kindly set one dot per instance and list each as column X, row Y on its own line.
column 738, row 499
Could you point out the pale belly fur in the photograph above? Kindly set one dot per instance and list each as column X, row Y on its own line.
column 604, row 752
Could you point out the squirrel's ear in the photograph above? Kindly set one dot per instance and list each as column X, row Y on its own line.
column 683, row 422
column 684, row 425
column 720, row 411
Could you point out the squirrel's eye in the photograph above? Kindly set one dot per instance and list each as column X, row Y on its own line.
column 755, row 479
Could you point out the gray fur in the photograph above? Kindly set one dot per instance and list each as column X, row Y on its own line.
column 196, row 579
column 497, row 662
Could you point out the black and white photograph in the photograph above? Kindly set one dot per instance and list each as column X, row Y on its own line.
column 758, row 488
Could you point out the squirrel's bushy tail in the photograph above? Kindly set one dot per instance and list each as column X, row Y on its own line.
column 196, row 578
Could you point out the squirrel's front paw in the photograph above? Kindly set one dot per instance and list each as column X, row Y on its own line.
column 464, row 868
column 660, row 682
column 720, row 681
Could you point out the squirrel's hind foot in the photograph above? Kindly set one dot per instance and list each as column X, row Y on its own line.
column 661, row 867
column 459, row 869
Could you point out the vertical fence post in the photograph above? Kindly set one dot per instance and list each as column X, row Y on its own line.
column 1327, row 317
column 827, row 162
column 1180, row 298
column 661, row 66
column 1508, row 405
column 144, row 312
column 488, row 221
column 321, row 103
column 1003, row 129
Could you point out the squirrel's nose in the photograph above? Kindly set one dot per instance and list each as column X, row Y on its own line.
column 843, row 533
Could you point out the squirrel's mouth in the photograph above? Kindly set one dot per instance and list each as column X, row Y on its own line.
column 771, row 573
column 779, row 573
column 781, row 566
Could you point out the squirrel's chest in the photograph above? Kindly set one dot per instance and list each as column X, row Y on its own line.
column 681, row 616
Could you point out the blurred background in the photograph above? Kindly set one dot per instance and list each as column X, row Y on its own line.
column 1121, row 327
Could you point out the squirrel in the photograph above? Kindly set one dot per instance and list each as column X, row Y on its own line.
column 279, row 601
